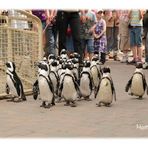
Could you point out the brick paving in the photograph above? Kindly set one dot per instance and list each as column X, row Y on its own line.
column 28, row 120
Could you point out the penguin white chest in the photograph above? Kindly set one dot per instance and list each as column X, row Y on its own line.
column 45, row 92
column 137, row 85
column 10, row 83
column 105, row 92
column 69, row 92
column 84, row 86
column 95, row 77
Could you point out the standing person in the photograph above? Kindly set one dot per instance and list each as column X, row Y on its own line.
column 99, row 32
column 115, row 46
column 109, row 29
column 124, row 34
column 145, row 27
column 48, row 33
column 42, row 15
column 72, row 18
column 136, row 24
column 88, row 19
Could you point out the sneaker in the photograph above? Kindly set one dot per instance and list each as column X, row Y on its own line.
column 145, row 65
column 124, row 59
column 132, row 62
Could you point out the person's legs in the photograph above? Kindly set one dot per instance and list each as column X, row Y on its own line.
column 133, row 44
column 145, row 65
column 75, row 27
column 90, row 48
column 62, row 24
column 49, row 46
column 139, row 43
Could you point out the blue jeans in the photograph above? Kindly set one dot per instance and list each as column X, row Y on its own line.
column 50, row 42
column 136, row 36
column 88, row 44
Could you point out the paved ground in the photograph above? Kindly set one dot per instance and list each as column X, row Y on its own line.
column 27, row 119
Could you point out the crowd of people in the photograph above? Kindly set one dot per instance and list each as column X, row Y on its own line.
column 105, row 31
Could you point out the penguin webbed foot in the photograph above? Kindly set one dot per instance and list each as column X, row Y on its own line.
column 98, row 104
column 67, row 103
column 73, row 104
column 47, row 106
column 43, row 104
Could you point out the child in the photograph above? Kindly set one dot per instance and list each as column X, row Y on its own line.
column 99, row 32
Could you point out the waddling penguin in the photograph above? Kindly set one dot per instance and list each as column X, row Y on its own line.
column 69, row 88
column 86, row 85
column 105, row 90
column 54, row 76
column 137, row 84
column 63, row 54
column 95, row 72
column 14, row 85
column 45, row 86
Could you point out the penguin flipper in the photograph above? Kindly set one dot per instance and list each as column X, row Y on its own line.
column 7, row 89
column 113, row 90
column 35, row 90
column 97, row 89
column 144, row 82
column 128, row 85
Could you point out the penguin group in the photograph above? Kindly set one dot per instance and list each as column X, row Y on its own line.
column 63, row 78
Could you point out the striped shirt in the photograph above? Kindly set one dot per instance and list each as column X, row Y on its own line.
column 135, row 20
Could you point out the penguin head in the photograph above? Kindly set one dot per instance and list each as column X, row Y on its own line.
column 106, row 70
column 54, row 63
column 10, row 66
column 95, row 60
column 96, row 53
column 86, row 63
column 76, row 55
column 139, row 67
column 43, row 68
column 63, row 51
column 69, row 67
column 51, row 57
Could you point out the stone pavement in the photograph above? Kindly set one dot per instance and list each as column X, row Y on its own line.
column 28, row 120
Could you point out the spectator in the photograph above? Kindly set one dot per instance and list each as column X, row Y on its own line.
column 109, row 29
column 136, row 17
column 145, row 27
column 99, row 32
column 115, row 46
column 124, row 34
column 72, row 18
column 88, row 19
column 48, row 33
column 42, row 15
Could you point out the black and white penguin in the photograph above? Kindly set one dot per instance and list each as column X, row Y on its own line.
column 45, row 85
column 86, row 82
column 51, row 58
column 54, row 76
column 14, row 85
column 95, row 72
column 69, row 88
column 105, row 91
column 137, row 84
column 63, row 54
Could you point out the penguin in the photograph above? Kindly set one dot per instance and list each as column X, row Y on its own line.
column 45, row 86
column 137, row 84
column 86, row 85
column 54, row 76
column 35, row 89
column 69, row 88
column 95, row 72
column 14, row 85
column 51, row 58
column 63, row 54
column 106, row 90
